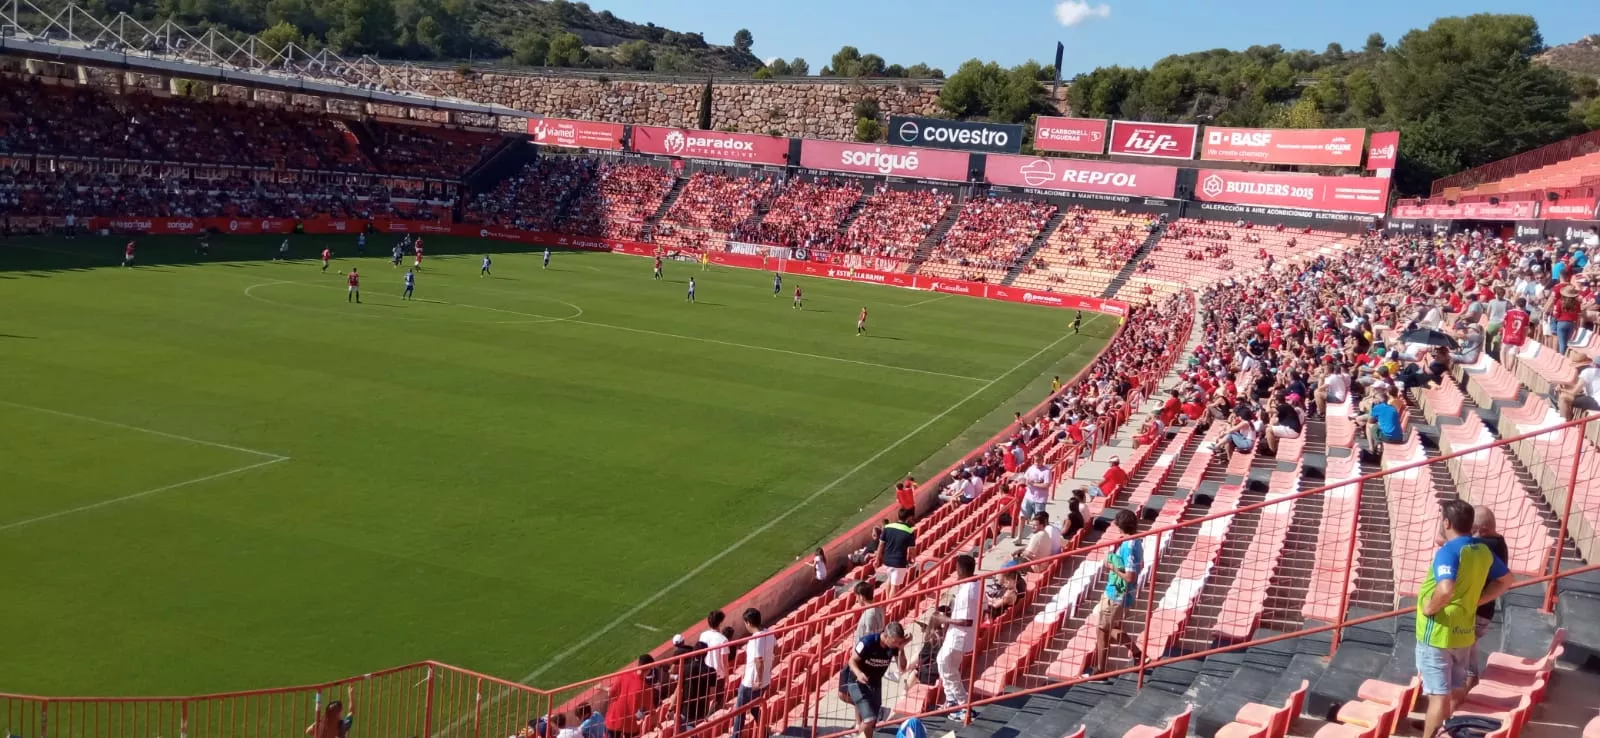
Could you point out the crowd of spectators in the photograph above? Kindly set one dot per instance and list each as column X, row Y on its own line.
column 84, row 121
column 536, row 198
column 893, row 223
column 991, row 235
column 805, row 214
column 710, row 207
column 107, row 194
column 429, row 152
column 622, row 195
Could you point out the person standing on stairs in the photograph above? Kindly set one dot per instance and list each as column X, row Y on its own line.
column 1464, row 574
column 1122, row 567
column 960, row 637
column 1483, row 530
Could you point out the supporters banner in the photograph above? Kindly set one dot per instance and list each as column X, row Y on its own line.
column 1161, row 140
column 1348, row 193
column 1384, row 151
column 1081, row 175
column 1525, row 210
column 893, row 161
column 1583, row 209
column 719, row 145
column 1330, row 147
column 575, row 134
column 989, row 138
column 1074, row 135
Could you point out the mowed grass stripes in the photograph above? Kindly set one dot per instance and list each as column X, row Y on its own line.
column 485, row 476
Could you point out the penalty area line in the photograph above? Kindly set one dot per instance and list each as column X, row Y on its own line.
column 150, row 431
column 140, row 495
column 769, row 525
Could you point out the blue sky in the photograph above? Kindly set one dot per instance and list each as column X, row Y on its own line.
column 1129, row 32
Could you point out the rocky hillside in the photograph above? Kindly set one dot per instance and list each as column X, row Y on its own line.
column 1580, row 57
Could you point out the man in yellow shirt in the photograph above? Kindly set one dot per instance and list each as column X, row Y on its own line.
column 1464, row 574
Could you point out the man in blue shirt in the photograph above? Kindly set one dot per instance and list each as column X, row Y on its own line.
column 861, row 682
column 1122, row 578
column 1382, row 422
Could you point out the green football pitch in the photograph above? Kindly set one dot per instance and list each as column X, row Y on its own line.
column 218, row 474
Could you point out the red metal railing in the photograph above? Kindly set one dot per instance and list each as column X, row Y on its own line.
column 1524, row 162
column 438, row 701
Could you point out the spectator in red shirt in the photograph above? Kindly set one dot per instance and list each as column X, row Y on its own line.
column 1114, row 479
column 627, row 700
column 1170, row 410
column 905, row 495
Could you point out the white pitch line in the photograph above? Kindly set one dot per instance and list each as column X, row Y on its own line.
column 650, row 628
column 769, row 525
column 153, row 432
column 924, row 302
column 645, row 331
column 146, row 493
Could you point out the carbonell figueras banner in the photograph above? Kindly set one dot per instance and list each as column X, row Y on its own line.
column 1328, row 147
column 1075, row 135
column 892, row 161
column 1349, row 194
column 1081, row 175
column 718, row 145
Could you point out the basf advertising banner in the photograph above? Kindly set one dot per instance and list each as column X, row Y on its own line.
column 1162, row 140
column 1326, row 147
column 1348, row 194
column 711, row 145
column 1081, row 175
column 989, row 138
column 1072, row 135
column 892, row 161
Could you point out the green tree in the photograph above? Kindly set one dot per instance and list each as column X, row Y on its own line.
column 869, row 65
column 280, row 35
column 743, row 40
column 922, row 71
column 530, row 48
column 635, row 54
column 1375, row 44
column 844, row 63
column 866, row 107
column 868, row 130
column 799, row 67
column 430, row 36
column 779, row 68
column 764, row 73
column 566, row 50
column 361, row 26
column 705, row 106
column 1591, row 114
column 989, row 91
column 673, row 61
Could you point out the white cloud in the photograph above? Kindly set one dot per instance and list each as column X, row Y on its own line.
column 769, row 60
column 1074, row 12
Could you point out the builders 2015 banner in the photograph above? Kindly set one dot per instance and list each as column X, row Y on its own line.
column 1348, row 194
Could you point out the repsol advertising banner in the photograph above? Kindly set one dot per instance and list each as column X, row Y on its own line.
column 989, row 138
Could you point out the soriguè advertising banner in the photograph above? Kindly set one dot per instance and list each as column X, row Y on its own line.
column 1330, row 147
column 892, row 161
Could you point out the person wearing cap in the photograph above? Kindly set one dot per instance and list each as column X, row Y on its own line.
column 1114, row 478
column 1581, row 394
column 1566, row 310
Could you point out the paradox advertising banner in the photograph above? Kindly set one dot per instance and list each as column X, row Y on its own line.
column 893, row 161
column 989, row 138
column 742, row 147
column 1328, row 147
column 575, row 134
column 1161, row 140
column 1073, row 135
column 1081, row 175
column 1384, row 151
column 1349, row 193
